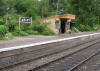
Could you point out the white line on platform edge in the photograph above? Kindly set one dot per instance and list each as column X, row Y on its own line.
column 46, row 42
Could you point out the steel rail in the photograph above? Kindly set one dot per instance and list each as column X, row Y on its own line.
column 69, row 55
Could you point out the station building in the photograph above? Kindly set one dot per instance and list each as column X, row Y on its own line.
column 59, row 24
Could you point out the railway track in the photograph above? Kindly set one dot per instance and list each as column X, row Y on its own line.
column 72, row 61
column 50, row 58
column 90, row 64
column 84, row 61
column 49, row 51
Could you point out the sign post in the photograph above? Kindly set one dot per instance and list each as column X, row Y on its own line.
column 19, row 23
column 24, row 20
column 31, row 20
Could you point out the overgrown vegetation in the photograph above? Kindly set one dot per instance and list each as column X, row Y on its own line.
column 34, row 29
column 87, row 15
column 3, row 30
column 88, row 18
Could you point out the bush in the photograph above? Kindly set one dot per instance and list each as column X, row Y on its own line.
column 1, row 21
column 96, row 27
column 11, row 27
column 30, row 13
column 32, row 32
column 48, row 32
column 40, row 29
column 24, row 26
column 20, row 33
column 8, row 36
column 3, row 31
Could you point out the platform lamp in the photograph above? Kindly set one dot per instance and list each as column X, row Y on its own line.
column 7, row 9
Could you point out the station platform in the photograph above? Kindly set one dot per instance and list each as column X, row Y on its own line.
column 27, row 40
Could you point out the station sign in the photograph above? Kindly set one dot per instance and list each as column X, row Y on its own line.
column 25, row 20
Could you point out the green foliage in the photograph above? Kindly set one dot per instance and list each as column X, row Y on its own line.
column 30, row 13
column 1, row 21
column 34, row 29
column 11, row 27
column 48, row 32
column 2, row 7
column 20, row 33
column 32, row 32
column 13, row 16
column 86, row 13
column 3, row 31
column 74, row 29
column 12, row 21
column 39, row 29
column 8, row 36
column 20, row 6
column 24, row 26
column 52, row 13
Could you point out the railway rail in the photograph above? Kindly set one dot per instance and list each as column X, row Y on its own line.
column 57, row 55
column 54, row 56
column 72, row 61
column 91, row 64
column 86, row 60
column 49, row 51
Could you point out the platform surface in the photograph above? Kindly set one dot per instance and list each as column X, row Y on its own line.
column 26, row 40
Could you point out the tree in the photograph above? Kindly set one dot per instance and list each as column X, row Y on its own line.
column 43, row 8
column 85, row 11
column 2, row 7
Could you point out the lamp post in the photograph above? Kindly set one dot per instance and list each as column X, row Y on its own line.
column 7, row 9
column 57, row 7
